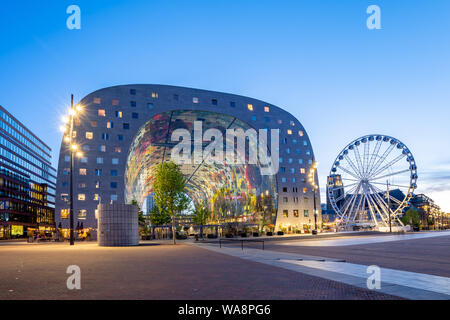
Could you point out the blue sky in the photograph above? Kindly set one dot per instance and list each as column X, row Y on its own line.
column 316, row 59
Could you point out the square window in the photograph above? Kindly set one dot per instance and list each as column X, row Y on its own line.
column 77, row 122
column 305, row 143
column 300, row 161
column 115, row 160
column 282, row 169
column 285, row 199
column 115, row 102
column 102, row 148
column 81, row 185
column 94, row 124
column 133, row 92
column 120, row 137
column 82, row 214
column 305, row 190
column 266, row 109
column 292, row 123
column 67, row 158
column 117, row 149
column 105, row 136
column 254, row 118
column 155, row 95
column 126, row 126
column 89, row 135
column 250, row 107
column 96, row 197
column 214, row 102
column 302, row 170
column 283, row 179
column 98, row 172
column 84, row 160
column 289, row 132
column 83, row 171
column 110, row 125
column 296, row 213
column 97, row 100
column 113, row 173
column 195, row 100
column 114, row 197
column 150, row 106
column 99, row 160
column 300, row 133
column 284, row 189
column 119, row 114
column 102, row 112
column 133, row 104
column 64, row 213
column 285, row 213
column 232, row 104
column 135, row 115
column 97, row 184
column 113, row 185
column 81, row 197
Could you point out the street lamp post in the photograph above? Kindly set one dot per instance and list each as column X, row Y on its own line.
column 312, row 181
column 69, row 121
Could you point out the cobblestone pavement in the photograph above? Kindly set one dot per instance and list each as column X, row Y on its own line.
column 156, row 272
column 426, row 255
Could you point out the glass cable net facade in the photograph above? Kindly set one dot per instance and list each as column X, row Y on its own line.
column 234, row 192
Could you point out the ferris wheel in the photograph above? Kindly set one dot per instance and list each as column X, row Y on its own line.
column 371, row 181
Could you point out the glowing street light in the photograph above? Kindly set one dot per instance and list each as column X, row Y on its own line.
column 312, row 181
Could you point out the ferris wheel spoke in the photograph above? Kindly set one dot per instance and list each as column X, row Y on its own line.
column 390, row 174
column 374, row 155
column 390, row 197
column 382, row 159
column 352, row 200
column 372, row 208
column 350, row 173
column 390, row 164
column 394, row 185
column 348, row 179
column 381, row 201
column 366, row 156
column 358, row 160
column 350, row 162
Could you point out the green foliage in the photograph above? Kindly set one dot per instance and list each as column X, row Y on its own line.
column 141, row 218
column 411, row 217
column 201, row 214
column 159, row 217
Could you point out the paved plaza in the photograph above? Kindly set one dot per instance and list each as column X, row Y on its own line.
column 284, row 270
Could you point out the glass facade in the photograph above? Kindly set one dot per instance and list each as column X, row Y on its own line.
column 27, row 180
column 234, row 192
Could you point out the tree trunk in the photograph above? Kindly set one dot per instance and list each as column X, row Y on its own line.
column 173, row 229
column 201, row 231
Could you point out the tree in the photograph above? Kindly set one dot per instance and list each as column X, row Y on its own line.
column 169, row 192
column 411, row 217
column 159, row 217
column 200, row 215
column 141, row 218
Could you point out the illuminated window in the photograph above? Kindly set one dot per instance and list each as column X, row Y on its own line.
column 64, row 213
column 266, row 109
column 289, row 131
column 285, row 213
column 96, row 197
column 308, row 153
column 102, row 148
column 119, row 114
column 115, row 160
column 288, row 150
column 292, row 170
column 97, row 100
column 254, row 118
column 97, row 184
column 82, row 214
column 114, row 197
column 115, row 102
column 89, row 135
column 292, row 123
column 306, row 213
column 195, row 100
column 77, row 122
column 305, row 190
column 102, row 112
column 302, row 170
column 305, row 143
column 250, row 107
column 74, row 134
column 81, row 197
column 94, row 124
column 110, row 125
column 297, row 151
column 283, row 179
column 83, row 171
column 64, row 196
column 300, row 133
column 117, row 149
column 155, row 95
column 296, row 213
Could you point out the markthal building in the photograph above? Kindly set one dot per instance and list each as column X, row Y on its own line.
column 256, row 177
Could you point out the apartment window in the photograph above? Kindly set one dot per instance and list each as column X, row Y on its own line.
column 81, row 185
column 67, row 158
column 285, row 199
column 65, row 184
column 98, row 172
column 305, row 143
column 102, row 112
column 135, row 115
column 96, row 197
column 133, row 104
column 94, row 124
column 150, row 106
column 281, row 160
column 305, row 199
column 97, row 100
column 114, row 197
column 232, row 104
column 280, row 121
column 296, row 213
column 292, row 170
column 77, row 122
column 283, row 179
column 285, row 214
column 294, row 141
column 110, row 125
column 310, row 161
column 126, row 126
column 302, row 170
column 289, row 132
column 253, row 118
column 102, row 148
column 155, row 95
column 294, row 180
column 214, row 102
column 295, row 189
column 195, row 100
column 306, row 213
column 305, row 190
column 133, row 92
column 300, row 161
column 64, row 213
column 99, row 160
column 105, row 136
column 119, row 114
column 74, row 134
column 290, row 160
column 297, row 151
column 113, row 185
column 266, row 109
column 83, row 171
column 84, row 160
column 250, row 107
column 292, row 123
column 81, row 197
column 89, row 135
column 288, row 150
column 117, row 149
column 175, row 97
column 120, row 137
column 97, row 184
column 300, row 133
column 86, row 147
column 284, row 141
column 282, row 169
column 82, row 214
column 308, row 153
column 115, row 102
column 113, row 173
column 115, row 160
column 285, row 189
